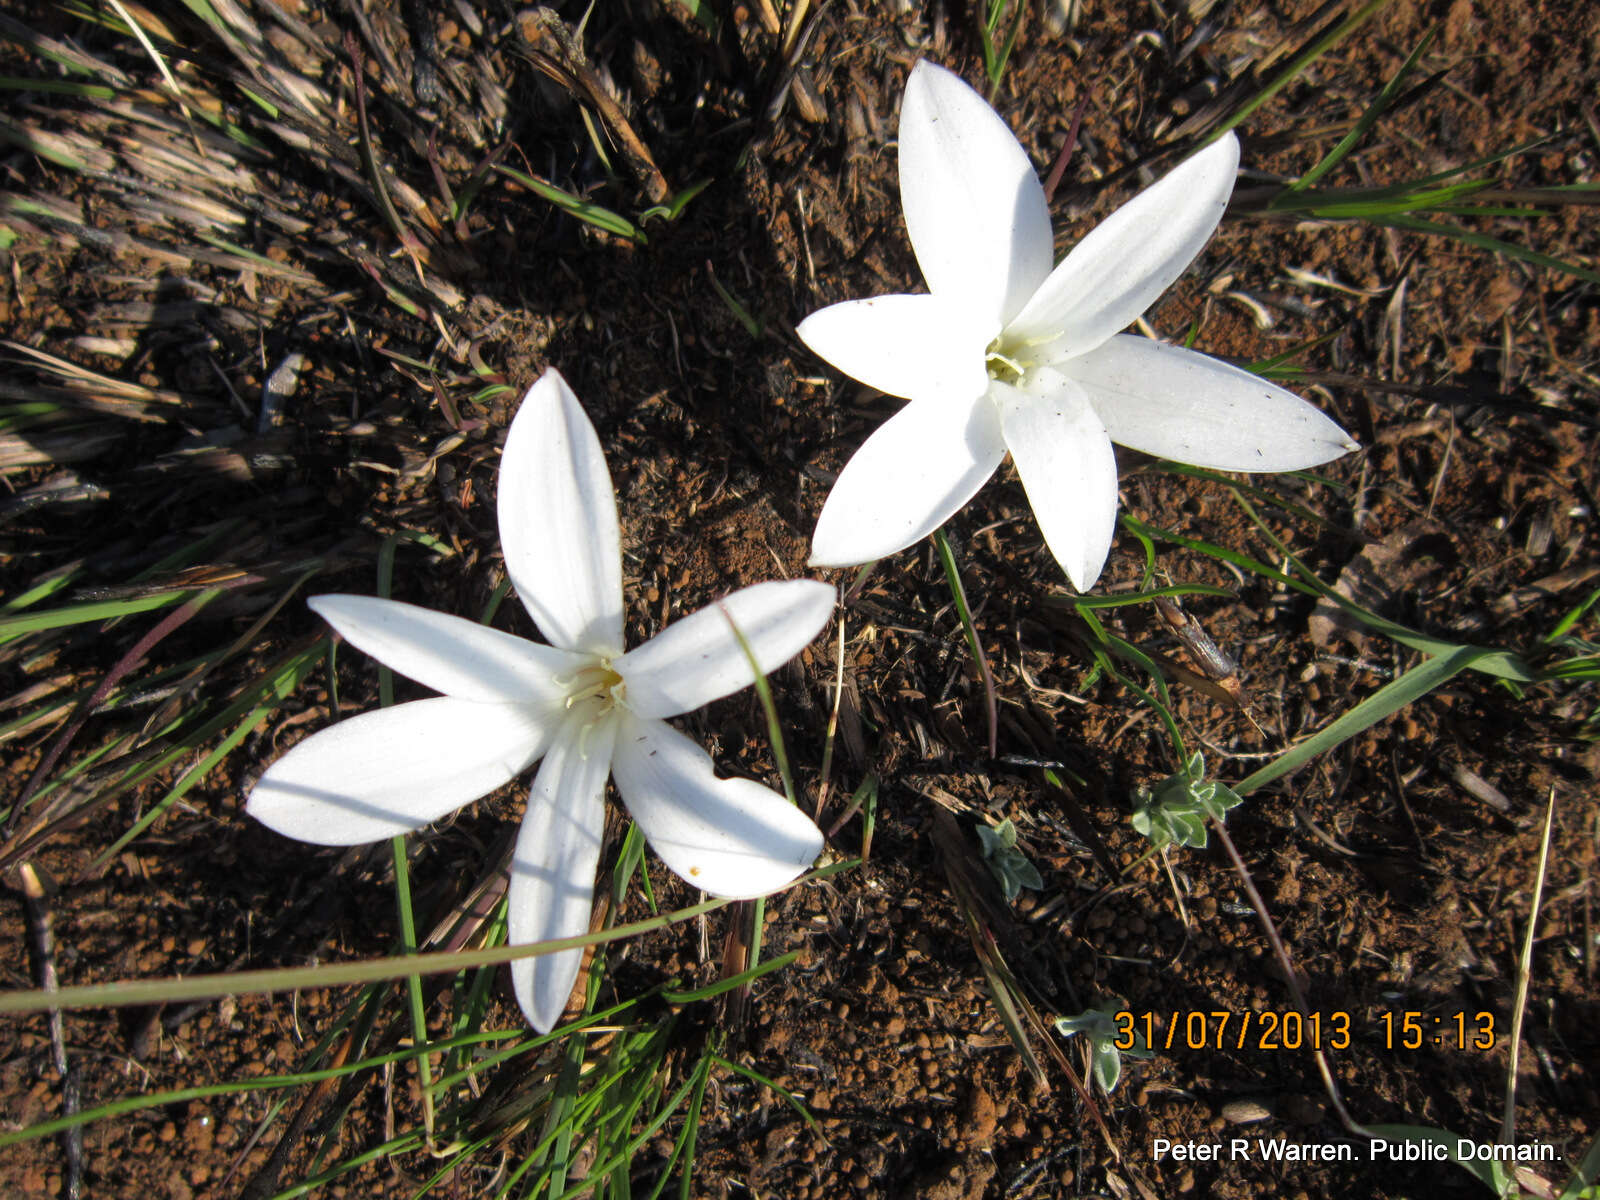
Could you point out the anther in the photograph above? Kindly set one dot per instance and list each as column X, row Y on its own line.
column 594, row 689
column 1011, row 364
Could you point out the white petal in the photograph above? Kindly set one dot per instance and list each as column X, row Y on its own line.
column 973, row 206
column 1130, row 258
column 395, row 769
column 1188, row 407
column 730, row 837
column 1067, row 468
column 919, row 347
column 558, row 521
column 552, row 869
column 457, row 657
column 920, row 466
column 696, row 660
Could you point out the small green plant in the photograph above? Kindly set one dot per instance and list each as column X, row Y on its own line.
column 995, row 44
column 1175, row 810
column 1010, row 866
column 1099, row 1025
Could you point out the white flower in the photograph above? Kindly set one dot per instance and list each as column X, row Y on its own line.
column 587, row 707
column 1010, row 353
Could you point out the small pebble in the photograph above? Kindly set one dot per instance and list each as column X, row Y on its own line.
column 1244, row 1112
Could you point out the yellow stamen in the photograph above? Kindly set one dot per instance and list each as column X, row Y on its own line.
column 597, row 683
column 1002, row 366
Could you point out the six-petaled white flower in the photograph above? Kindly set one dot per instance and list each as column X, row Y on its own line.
column 1009, row 352
column 588, row 708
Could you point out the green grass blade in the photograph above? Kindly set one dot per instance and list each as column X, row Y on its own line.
column 732, row 981
column 1368, row 119
column 777, row 1090
column 1262, row 494
column 593, row 214
column 48, row 586
column 683, row 1148
column 704, row 13
column 1491, row 1174
column 995, row 60
column 1104, row 645
column 1564, row 626
column 1479, row 164
column 1483, row 241
column 408, row 945
column 1385, row 702
column 87, row 612
column 741, row 314
column 980, row 662
column 774, row 727
column 386, row 1150
column 127, row 992
column 626, row 1153
column 263, row 697
column 1585, row 1174
column 190, row 777
column 1499, row 663
column 264, row 1083
column 57, row 87
column 1369, row 204
column 1301, row 61
column 567, row 1113
column 1122, row 599
column 676, row 203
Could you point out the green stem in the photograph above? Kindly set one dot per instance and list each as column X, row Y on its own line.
column 126, row 993
column 958, row 593
column 408, row 937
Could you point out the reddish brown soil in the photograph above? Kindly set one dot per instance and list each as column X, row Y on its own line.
column 1399, row 868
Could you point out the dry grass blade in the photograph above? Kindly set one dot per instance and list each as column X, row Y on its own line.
column 1519, row 1006
column 216, row 180
column 557, row 51
column 1308, row 41
column 132, row 659
column 90, row 391
column 1016, row 1013
column 38, row 911
column 968, row 892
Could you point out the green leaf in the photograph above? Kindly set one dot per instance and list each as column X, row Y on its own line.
column 1484, row 242
column 1193, row 829
column 1385, row 702
column 1299, row 64
column 673, row 208
column 1369, row 118
column 1009, row 865
column 1107, row 1066
column 1100, row 1027
column 593, row 214
column 1584, row 1175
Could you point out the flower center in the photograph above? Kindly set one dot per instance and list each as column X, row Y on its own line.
column 1004, row 361
column 597, row 682
column 1010, row 356
column 598, row 689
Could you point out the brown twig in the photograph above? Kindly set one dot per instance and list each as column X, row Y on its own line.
column 1068, row 145
column 565, row 62
column 38, row 915
column 1286, row 964
column 369, row 161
